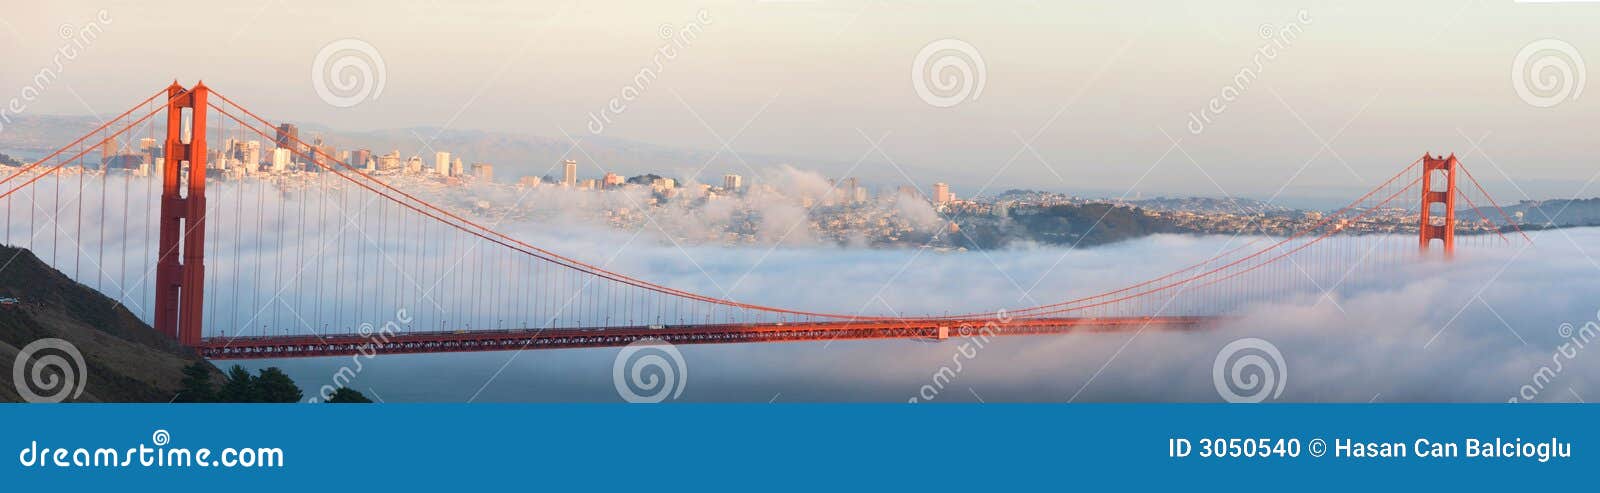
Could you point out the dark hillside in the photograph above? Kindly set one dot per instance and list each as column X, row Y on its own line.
column 127, row 360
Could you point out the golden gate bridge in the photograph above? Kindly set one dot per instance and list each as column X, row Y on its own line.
column 484, row 290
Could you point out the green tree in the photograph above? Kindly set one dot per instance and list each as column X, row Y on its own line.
column 197, row 384
column 272, row 385
column 346, row 395
column 240, row 386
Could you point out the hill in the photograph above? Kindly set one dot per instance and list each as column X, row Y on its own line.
column 1547, row 213
column 127, row 360
column 1076, row 225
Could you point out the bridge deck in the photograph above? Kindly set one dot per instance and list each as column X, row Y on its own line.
column 516, row 339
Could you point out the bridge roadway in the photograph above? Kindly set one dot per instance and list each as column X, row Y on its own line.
column 303, row 346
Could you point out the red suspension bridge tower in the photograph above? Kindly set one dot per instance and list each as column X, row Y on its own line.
column 1445, row 229
column 180, row 285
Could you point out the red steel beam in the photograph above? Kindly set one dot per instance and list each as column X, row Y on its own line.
column 220, row 348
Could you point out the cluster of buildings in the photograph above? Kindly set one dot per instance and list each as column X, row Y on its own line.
column 286, row 154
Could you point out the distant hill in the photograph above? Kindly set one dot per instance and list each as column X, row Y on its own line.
column 1065, row 225
column 1208, row 205
column 127, row 360
column 1545, row 213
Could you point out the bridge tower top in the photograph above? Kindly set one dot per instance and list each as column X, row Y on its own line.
column 1438, row 187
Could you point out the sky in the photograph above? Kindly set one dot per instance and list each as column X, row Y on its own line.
column 1072, row 96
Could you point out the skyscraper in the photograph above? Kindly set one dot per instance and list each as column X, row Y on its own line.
column 484, row 171
column 441, row 163
column 319, row 153
column 330, row 155
column 390, row 161
column 361, row 157
column 250, row 153
column 280, row 159
column 570, row 177
column 941, row 194
column 108, row 149
column 732, row 181
column 288, row 135
column 456, row 169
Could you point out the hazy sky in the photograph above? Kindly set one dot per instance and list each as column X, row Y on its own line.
column 1075, row 96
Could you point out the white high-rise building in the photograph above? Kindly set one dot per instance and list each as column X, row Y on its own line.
column 941, row 194
column 570, row 176
column 252, row 155
column 441, row 163
column 732, row 181
column 280, row 159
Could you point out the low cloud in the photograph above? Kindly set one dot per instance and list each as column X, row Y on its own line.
column 1476, row 329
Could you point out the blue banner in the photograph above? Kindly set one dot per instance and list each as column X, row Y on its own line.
column 745, row 447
